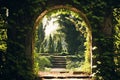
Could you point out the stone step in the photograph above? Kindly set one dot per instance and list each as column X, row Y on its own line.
column 59, row 66
column 59, row 62
column 70, row 77
column 54, row 58
column 63, row 74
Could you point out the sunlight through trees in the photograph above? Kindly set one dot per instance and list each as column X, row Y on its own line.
column 64, row 33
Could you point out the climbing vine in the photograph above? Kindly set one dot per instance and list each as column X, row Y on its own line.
column 20, row 22
column 116, row 14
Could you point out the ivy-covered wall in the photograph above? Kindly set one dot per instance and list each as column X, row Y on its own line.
column 20, row 23
column 19, row 63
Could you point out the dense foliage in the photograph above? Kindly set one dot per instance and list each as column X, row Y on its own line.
column 20, row 22
column 68, row 33
column 116, row 14
column 64, row 32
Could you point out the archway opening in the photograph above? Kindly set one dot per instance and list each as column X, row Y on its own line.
column 63, row 31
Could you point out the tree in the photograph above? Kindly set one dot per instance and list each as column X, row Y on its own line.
column 59, row 47
column 39, row 38
column 50, row 45
column 71, row 34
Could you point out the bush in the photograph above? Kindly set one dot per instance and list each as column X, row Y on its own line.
column 42, row 62
column 74, row 63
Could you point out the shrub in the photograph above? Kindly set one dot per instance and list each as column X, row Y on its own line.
column 42, row 62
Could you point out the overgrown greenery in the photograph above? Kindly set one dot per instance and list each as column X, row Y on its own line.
column 22, row 15
column 69, row 35
column 116, row 14
column 72, row 34
column 75, row 62
column 42, row 62
column 3, row 40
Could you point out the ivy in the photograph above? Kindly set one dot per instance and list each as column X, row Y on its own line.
column 22, row 15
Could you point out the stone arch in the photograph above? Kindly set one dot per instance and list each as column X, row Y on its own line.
column 82, row 15
column 65, row 7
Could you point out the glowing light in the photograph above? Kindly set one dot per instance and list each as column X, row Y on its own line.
column 50, row 26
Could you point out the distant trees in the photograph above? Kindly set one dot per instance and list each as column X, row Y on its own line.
column 73, row 37
column 40, row 34
column 59, row 47
column 67, row 33
column 50, row 45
